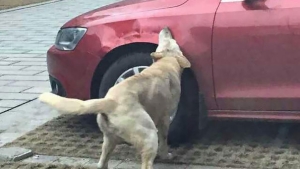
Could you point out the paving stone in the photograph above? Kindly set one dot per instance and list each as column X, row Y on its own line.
column 12, row 89
column 5, row 82
column 2, row 109
column 13, row 38
column 42, row 68
column 8, row 137
column 38, row 90
column 41, row 159
column 13, row 51
column 18, row 96
column 31, row 83
column 11, row 67
column 26, row 59
column 6, row 63
column 8, row 47
column 19, row 72
column 2, row 58
column 29, row 63
column 14, row 153
column 37, row 51
column 44, row 73
column 25, row 77
column 21, row 55
column 10, row 103
column 15, row 122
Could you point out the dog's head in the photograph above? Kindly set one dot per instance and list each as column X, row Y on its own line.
column 168, row 47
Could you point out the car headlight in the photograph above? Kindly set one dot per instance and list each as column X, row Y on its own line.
column 68, row 38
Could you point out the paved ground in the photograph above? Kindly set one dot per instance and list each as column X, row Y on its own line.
column 6, row 4
column 25, row 36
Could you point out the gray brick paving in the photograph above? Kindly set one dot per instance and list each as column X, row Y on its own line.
column 2, row 109
column 30, row 83
column 6, row 63
column 22, row 55
column 44, row 73
column 37, row 90
column 19, row 72
column 23, row 119
column 12, row 68
column 25, row 39
column 28, row 63
column 4, row 82
column 42, row 68
column 25, row 77
column 29, row 31
column 12, row 89
column 17, row 96
column 11, row 103
column 26, row 59
column 14, row 51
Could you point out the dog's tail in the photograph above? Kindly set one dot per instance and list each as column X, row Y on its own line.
column 75, row 106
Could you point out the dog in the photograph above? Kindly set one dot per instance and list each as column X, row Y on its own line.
column 137, row 109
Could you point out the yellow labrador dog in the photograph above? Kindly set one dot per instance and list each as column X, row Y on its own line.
column 137, row 109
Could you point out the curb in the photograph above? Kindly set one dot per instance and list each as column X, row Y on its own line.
column 28, row 6
column 14, row 154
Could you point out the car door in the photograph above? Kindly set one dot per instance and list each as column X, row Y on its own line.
column 256, row 56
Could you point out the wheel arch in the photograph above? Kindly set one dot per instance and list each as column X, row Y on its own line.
column 113, row 56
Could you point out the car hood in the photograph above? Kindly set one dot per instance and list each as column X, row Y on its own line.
column 123, row 7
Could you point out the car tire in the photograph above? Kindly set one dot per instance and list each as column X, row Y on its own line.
column 184, row 121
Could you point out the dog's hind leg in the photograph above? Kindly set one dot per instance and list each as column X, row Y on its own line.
column 109, row 141
column 109, row 144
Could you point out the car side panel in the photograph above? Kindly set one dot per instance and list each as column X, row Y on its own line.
column 256, row 56
column 191, row 24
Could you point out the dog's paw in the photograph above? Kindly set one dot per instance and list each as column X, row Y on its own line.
column 166, row 156
column 170, row 156
column 101, row 166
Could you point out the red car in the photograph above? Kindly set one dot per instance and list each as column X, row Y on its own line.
column 245, row 57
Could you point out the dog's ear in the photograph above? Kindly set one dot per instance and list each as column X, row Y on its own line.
column 183, row 62
column 156, row 55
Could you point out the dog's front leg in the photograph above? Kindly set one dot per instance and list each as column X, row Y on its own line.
column 108, row 146
column 148, row 148
column 163, row 150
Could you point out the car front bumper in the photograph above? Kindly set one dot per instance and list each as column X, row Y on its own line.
column 71, row 72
